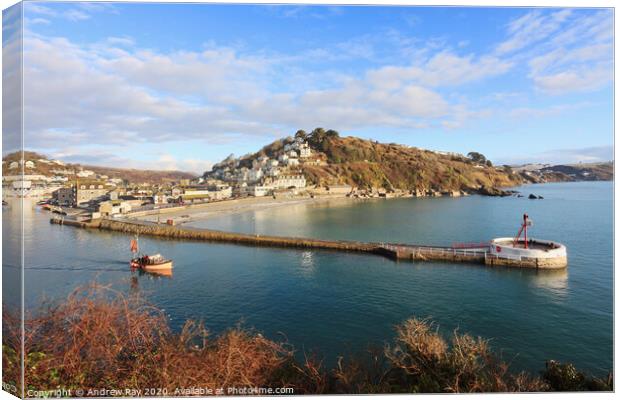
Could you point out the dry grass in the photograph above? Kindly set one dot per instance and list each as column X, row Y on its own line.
column 364, row 163
column 99, row 338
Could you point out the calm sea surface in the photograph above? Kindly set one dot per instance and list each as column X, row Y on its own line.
column 336, row 303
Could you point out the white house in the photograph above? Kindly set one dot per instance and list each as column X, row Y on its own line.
column 260, row 191
column 305, row 152
column 255, row 175
column 287, row 181
column 85, row 173
column 29, row 164
column 13, row 165
column 292, row 162
column 273, row 171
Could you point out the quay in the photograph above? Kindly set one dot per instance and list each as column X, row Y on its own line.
column 493, row 254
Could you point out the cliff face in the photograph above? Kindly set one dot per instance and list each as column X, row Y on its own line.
column 365, row 164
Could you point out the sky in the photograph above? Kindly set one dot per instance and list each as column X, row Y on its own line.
column 181, row 86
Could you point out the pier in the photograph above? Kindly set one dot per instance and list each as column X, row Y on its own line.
column 410, row 252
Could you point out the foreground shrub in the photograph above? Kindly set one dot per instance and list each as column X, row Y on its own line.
column 99, row 338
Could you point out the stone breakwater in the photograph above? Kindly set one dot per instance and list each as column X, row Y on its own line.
column 394, row 251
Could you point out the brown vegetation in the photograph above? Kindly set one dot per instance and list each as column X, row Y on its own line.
column 99, row 338
column 365, row 163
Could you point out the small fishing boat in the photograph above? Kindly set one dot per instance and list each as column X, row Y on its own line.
column 155, row 263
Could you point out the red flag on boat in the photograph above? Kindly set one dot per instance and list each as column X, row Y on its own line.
column 133, row 246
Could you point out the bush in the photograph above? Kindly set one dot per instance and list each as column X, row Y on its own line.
column 99, row 338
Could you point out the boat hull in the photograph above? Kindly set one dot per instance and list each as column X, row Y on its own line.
column 166, row 265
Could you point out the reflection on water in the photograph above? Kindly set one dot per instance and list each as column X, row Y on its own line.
column 306, row 259
column 554, row 281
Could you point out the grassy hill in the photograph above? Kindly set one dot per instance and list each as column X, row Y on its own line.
column 365, row 163
column 129, row 174
column 601, row 171
column 369, row 164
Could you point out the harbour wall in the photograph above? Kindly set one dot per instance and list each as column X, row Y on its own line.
column 403, row 252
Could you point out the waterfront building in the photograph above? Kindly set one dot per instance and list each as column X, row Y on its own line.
column 83, row 193
column 109, row 208
column 65, row 196
column 89, row 191
column 260, row 191
column 220, row 192
column 289, row 181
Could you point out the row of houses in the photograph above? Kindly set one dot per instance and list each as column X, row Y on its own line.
column 287, row 159
column 32, row 164
column 271, row 185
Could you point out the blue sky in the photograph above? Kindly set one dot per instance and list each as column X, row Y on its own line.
column 181, row 86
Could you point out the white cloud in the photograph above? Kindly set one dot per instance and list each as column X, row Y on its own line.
column 109, row 94
column 11, row 68
column 578, row 79
column 113, row 92
column 565, row 51
column 558, row 109
column 531, row 28
column 442, row 69
column 71, row 11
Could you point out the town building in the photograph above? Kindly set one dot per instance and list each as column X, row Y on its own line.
column 255, row 174
column 83, row 193
column 260, row 190
column 65, row 196
column 289, row 181
column 292, row 162
column 305, row 151
column 85, row 173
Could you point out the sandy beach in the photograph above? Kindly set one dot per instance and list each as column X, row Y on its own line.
column 203, row 211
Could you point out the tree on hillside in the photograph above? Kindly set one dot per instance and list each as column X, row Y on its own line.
column 301, row 134
column 332, row 134
column 477, row 157
column 316, row 137
column 319, row 136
